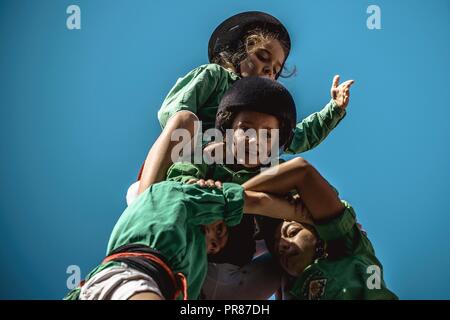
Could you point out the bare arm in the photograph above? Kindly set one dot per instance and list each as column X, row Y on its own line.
column 274, row 206
column 297, row 174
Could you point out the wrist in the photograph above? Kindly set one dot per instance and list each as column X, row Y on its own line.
column 336, row 108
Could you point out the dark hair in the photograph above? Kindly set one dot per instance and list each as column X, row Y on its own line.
column 255, row 39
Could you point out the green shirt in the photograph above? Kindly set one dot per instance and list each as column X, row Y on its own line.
column 241, row 244
column 351, row 270
column 201, row 90
column 184, row 171
column 169, row 216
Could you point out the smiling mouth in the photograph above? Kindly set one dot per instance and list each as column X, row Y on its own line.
column 251, row 152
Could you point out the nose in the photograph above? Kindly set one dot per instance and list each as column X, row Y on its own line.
column 290, row 250
column 267, row 72
column 213, row 247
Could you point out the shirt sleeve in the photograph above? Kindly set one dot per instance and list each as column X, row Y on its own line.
column 339, row 226
column 184, row 171
column 343, row 235
column 310, row 132
column 191, row 92
column 208, row 205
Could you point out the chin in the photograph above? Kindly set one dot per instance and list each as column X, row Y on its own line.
column 294, row 273
column 293, row 269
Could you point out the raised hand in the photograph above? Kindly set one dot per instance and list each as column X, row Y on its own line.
column 341, row 92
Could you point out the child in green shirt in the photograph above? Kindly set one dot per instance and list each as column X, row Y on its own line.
column 247, row 44
column 331, row 258
column 159, row 245
column 251, row 103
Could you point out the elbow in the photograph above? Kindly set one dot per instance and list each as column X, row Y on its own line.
column 183, row 119
column 300, row 163
column 301, row 167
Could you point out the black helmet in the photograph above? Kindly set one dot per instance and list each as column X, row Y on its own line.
column 261, row 95
column 230, row 33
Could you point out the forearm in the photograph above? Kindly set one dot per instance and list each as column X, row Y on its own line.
column 297, row 174
column 159, row 158
column 274, row 206
column 280, row 179
column 330, row 115
column 267, row 205
column 311, row 131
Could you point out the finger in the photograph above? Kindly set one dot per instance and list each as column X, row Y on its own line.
column 201, row 182
column 192, row 181
column 335, row 81
column 210, row 183
column 218, row 184
column 334, row 93
column 346, row 100
column 348, row 83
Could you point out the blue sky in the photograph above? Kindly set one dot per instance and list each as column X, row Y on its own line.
column 78, row 114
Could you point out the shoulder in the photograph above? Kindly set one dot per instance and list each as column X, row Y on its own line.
column 214, row 67
column 216, row 71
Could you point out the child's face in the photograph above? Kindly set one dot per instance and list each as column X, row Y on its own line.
column 295, row 246
column 216, row 235
column 266, row 61
column 251, row 143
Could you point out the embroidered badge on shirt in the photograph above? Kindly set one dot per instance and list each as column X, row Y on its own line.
column 317, row 289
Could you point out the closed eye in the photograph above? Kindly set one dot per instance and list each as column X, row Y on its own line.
column 264, row 56
column 292, row 231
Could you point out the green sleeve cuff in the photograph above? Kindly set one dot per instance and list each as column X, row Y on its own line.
column 234, row 203
column 332, row 114
column 339, row 226
column 336, row 110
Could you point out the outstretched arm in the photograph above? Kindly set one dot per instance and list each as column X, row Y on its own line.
column 311, row 131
